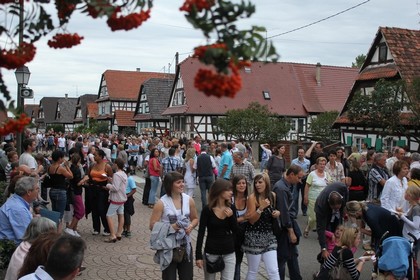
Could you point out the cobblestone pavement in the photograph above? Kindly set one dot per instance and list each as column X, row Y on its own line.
column 131, row 257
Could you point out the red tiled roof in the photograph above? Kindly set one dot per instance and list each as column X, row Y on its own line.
column 292, row 87
column 92, row 110
column 374, row 73
column 404, row 45
column 124, row 118
column 333, row 90
column 142, row 117
column 125, row 85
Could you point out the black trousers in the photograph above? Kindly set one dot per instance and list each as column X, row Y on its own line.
column 184, row 268
column 146, row 191
column 100, row 206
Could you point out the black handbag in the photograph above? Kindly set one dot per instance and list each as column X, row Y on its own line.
column 178, row 254
column 215, row 266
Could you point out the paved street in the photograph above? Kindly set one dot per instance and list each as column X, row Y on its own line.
column 131, row 257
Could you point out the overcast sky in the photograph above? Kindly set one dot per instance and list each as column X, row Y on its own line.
column 152, row 47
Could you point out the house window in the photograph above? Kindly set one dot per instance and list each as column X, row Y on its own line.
column 293, row 124
column 266, row 95
column 383, row 53
column 104, row 90
column 143, row 96
column 301, row 125
column 178, row 98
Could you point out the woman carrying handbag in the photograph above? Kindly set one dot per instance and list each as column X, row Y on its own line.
column 218, row 218
column 340, row 264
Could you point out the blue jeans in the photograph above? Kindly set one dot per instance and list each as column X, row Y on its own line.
column 205, row 183
column 299, row 188
column 263, row 165
column 154, row 184
column 58, row 200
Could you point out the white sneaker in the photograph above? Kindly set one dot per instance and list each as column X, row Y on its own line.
column 94, row 232
column 76, row 233
column 69, row 231
column 106, row 233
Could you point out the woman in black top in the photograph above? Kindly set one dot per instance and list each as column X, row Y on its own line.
column 219, row 219
column 59, row 171
column 356, row 181
column 349, row 239
column 76, row 190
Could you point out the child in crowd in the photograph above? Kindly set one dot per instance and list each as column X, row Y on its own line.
column 129, row 204
column 333, row 239
column 412, row 217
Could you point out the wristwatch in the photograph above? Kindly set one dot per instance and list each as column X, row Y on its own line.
column 259, row 211
column 324, row 249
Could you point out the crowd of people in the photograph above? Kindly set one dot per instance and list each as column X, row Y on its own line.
column 244, row 212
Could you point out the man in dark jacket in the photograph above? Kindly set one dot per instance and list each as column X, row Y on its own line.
column 329, row 208
column 288, row 237
column 204, row 165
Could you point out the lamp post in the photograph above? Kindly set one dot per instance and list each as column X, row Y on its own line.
column 22, row 77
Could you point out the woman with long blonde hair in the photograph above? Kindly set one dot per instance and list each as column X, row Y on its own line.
column 260, row 242
column 342, row 252
column 189, row 177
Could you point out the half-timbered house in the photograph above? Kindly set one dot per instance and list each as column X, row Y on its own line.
column 31, row 110
column 80, row 116
column 46, row 113
column 119, row 90
column 393, row 55
column 294, row 90
column 65, row 110
column 151, row 103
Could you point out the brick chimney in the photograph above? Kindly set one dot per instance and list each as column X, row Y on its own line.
column 318, row 74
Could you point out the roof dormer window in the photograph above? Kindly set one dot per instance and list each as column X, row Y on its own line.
column 383, row 53
column 266, row 95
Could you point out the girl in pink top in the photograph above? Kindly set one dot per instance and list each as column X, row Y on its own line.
column 333, row 239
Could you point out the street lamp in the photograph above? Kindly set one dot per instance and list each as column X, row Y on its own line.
column 22, row 77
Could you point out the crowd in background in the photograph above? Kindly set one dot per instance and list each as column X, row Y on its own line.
column 247, row 208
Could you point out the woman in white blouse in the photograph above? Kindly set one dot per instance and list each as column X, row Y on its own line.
column 392, row 197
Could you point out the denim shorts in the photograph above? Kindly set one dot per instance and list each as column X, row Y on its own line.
column 115, row 208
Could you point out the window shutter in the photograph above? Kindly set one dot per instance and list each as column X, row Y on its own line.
column 368, row 142
column 349, row 140
column 401, row 143
column 378, row 144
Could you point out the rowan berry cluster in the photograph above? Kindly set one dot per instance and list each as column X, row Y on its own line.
column 200, row 51
column 15, row 58
column 15, row 125
column 127, row 22
column 61, row 41
column 199, row 5
column 64, row 9
column 218, row 84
